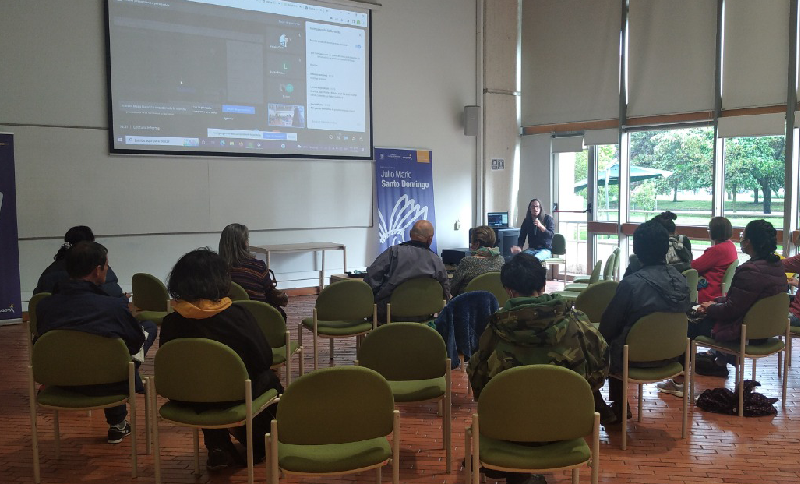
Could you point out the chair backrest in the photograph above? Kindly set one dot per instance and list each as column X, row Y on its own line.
column 417, row 297
column 767, row 317
column 658, row 336
column 404, row 351
column 199, row 370
column 269, row 320
column 237, row 293
column 594, row 300
column 348, row 300
column 692, row 277
column 357, row 402
column 608, row 269
column 32, row 311
column 559, row 245
column 728, row 277
column 536, row 403
column 615, row 269
column 489, row 281
column 595, row 275
column 149, row 293
column 72, row 358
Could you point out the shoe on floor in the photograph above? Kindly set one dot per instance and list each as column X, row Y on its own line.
column 116, row 434
column 707, row 367
column 607, row 415
column 219, row 459
column 617, row 407
column 671, row 387
column 518, row 478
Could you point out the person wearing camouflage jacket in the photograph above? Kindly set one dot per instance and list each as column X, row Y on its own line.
column 537, row 328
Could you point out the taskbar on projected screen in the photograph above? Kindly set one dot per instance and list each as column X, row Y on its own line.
column 238, row 146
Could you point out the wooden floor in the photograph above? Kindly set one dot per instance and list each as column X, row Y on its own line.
column 719, row 449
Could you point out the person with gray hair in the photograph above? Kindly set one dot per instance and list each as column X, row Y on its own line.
column 405, row 261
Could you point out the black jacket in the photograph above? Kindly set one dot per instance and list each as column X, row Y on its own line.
column 84, row 306
column 57, row 272
column 537, row 239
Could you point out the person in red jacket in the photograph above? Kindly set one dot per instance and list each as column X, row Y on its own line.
column 792, row 264
column 711, row 266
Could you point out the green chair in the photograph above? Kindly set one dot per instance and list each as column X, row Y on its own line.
column 655, row 337
column 489, row 281
column 608, row 269
column 63, row 359
column 150, row 297
column 201, row 370
column 413, row 359
column 274, row 328
column 335, row 421
column 415, row 299
column 31, row 331
column 594, row 300
column 558, row 248
column 767, row 319
column 545, row 404
column 692, row 277
column 728, row 277
column 615, row 268
column 343, row 310
column 594, row 277
column 237, row 293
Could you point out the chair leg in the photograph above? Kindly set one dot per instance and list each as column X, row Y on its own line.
column 476, row 456
column 196, row 447
column 134, row 420
column 147, row 436
column 248, row 405
column 693, row 352
column 378, row 475
column 468, row 455
column 315, row 336
column 154, row 424
column 395, row 447
column 785, row 366
column 624, row 397
column 274, row 465
column 446, row 425
column 576, row 476
column 34, row 431
column 639, row 410
column 56, row 435
column 596, row 449
column 302, row 355
column 331, row 349
column 289, row 355
column 686, row 362
column 754, row 369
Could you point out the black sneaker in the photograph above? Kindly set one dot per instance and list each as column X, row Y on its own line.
column 115, row 434
column 218, row 459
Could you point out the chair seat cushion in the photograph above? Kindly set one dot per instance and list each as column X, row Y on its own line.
column 554, row 260
column 578, row 287
column 772, row 345
column 417, row 390
column 333, row 457
column 655, row 374
column 279, row 354
column 581, row 279
column 66, row 398
column 794, row 330
column 339, row 328
column 154, row 316
column 512, row 455
column 234, row 414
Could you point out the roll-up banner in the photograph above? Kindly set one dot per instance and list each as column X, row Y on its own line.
column 405, row 193
column 10, row 303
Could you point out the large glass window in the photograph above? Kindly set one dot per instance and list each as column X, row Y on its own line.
column 672, row 170
column 754, row 179
column 571, row 168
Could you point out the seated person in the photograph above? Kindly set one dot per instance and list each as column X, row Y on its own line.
column 80, row 304
column 200, row 283
column 403, row 262
column 792, row 266
column 679, row 254
column 538, row 228
column 57, row 271
column 247, row 271
column 655, row 287
column 711, row 266
column 486, row 258
column 761, row 276
column 537, row 328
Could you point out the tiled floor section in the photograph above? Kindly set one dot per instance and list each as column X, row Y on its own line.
column 719, row 449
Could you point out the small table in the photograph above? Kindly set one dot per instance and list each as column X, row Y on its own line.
column 303, row 247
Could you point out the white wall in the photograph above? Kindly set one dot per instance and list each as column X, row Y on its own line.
column 54, row 100
column 535, row 174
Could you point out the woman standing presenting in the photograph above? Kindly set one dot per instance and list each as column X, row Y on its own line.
column 538, row 228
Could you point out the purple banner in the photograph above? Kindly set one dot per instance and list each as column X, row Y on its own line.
column 10, row 303
column 405, row 193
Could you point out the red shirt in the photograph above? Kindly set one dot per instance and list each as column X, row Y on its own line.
column 712, row 265
column 792, row 264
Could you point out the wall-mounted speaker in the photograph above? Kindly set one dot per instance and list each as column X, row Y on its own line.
column 472, row 116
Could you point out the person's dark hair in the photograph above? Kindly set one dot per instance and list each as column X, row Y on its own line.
column 79, row 233
column 541, row 212
column 667, row 219
column 83, row 257
column 763, row 239
column 233, row 244
column 199, row 274
column 719, row 229
column 524, row 274
column 651, row 243
column 484, row 236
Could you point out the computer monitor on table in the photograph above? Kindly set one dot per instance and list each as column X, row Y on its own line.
column 497, row 220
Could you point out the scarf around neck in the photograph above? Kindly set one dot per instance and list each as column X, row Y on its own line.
column 201, row 309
